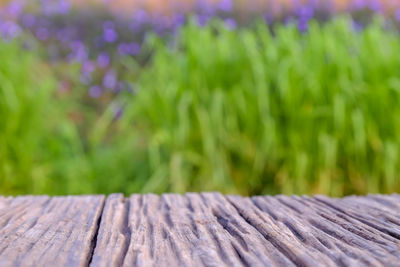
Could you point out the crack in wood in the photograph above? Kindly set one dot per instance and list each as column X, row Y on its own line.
column 126, row 231
column 93, row 242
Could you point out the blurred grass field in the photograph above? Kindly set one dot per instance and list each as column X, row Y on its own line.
column 248, row 111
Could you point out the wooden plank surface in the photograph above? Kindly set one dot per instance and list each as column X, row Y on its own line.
column 43, row 231
column 215, row 230
column 206, row 229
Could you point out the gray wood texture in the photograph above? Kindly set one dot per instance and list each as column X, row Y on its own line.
column 44, row 231
column 207, row 229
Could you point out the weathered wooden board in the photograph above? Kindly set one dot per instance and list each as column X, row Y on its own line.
column 213, row 230
column 43, row 231
column 206, row 229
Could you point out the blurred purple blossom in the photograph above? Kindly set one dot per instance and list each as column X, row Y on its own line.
column 141, row 16
column 375, row 5
column 28, row 20
column 14, row 9
column 161, row 24
column 51, row 7
column 202, row 20
column 88, row 66
column 78, row 51
column 64, row 7
column 288, row 20
column 358, row 4
column 397, row 15
column 42, row 33
column 269, row 18
column 230, row 23
column 103, row 60
column 205, row 7
column 9, row 29
column 305, row 12
column 109, row 33
column 99, row 44
column 178, row 20
column 225, row 5
column 128, row 48
column 95, row 91
column 302, row 24
column 63, row 35
column 110, row 80
column 357, row 26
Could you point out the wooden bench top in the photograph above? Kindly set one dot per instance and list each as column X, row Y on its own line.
column 207, row 229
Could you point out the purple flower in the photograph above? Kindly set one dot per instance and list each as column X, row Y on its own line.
column 161, row 23
column 230, row 23
column 103, row 60
column 202, row 20
column 63, row 7
column 42, row 34
column 269, row 18
column 14, row 9
column 9, row 29
column 206, row 7
column 397, row 15
column 178, row 20
column 128, row 49
column 95, row 91
column 358, row 4
column 226, row 5
column 141, row 16
column 122, row 49
column 78, row 52
column 110, row 80
column 296, row 4
column 62, row 35
column 55, row 7
column 305, row 12
column 288, row 20
column 88, row 66
column 133, row 48
column 375, row 5
column 357, row 26
column 302, row 25
column 28, row 20
column 110, row 35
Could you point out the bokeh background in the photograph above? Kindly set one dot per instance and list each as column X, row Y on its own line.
column 246, row 97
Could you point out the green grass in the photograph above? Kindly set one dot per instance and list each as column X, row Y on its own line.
column 246, row 111
column 25, row 92
column 54, row 142
column 253, row 112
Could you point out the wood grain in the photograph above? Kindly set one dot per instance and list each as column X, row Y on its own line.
column 207, row 229
column 43, row 231
column 215, row 230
